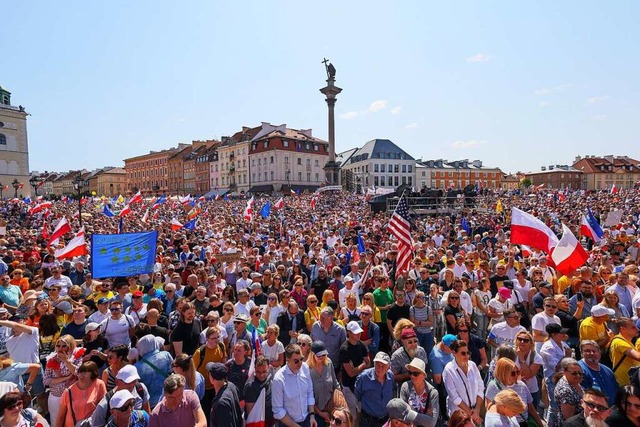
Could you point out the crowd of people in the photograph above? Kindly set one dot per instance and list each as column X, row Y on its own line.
column 304, row 318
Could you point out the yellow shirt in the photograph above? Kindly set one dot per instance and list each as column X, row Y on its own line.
column 97, row 295
column 215, row 355
column 310, row 317
column 590, row 330
column 619, row 345
column 563, row 283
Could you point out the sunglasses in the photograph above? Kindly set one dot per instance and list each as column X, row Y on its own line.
column 337, row 421
column 454, row 298
column 297, row 361
column 601, row 408
column 550, row 306
column 415, row 374
column 125, row 408
column 576, row 373
column 19, row 403
column 463, row 353
column 525, row 340
column 228, row 309
column 115, row 309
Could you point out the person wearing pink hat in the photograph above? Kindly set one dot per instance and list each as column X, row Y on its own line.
column 498, row 305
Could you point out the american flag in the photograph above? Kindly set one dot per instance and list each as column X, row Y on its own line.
column 400, row 227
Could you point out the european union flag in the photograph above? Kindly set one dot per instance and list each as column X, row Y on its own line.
column 123, row 254
column 465, row 226
column 107, row 211
column 191, row 225
column 361, row 247
column 266, row 209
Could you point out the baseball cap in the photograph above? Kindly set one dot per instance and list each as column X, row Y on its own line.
column 382, row 357
column 137, row 293
column 128, row 374
column 217, row 370
column 354, row 327
column 319, row 349
column 103, row 300
column 398, row 409
column 599, row 310
column 65, row 306
column 554, row 328
column 92, row 326
column 505, row 292
column 546, row 285
column 449, row 339
column 407, row 333
column 120, row 398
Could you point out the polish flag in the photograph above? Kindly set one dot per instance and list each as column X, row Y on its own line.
column 293, row 193
column 248, row 211
column 526, row 251
column 37, row 208
column 156, row 215
column 125, row 211
column 279, row 204
column 136, row 198
column 539, row 187
column 217, row 197
column 526, row 229
column 202, row 198
column 175, row 225
column 184, row 200
column 314, row 200
column 568, row 255
column 256, row 417
column 614, row 189
column 76, row 247
column 45, row 230
column 145, row 217
column 61, row 229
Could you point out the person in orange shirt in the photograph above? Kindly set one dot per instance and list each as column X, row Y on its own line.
column 19, row 280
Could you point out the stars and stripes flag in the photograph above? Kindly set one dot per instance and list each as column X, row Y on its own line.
column 400, row 227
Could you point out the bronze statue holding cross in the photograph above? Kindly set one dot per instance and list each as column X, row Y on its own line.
column 331, row 70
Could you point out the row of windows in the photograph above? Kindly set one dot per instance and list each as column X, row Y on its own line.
column 391, row 181
column 148, row 173
column 392, row 168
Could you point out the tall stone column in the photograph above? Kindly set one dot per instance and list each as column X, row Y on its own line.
column 331, row 168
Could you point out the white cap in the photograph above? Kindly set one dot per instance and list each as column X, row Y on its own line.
column 92, row 326
column 354, row 327
column 600, row 310
column 120, row 398
column 128, row 374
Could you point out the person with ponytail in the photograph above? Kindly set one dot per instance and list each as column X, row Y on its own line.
column 184, row 366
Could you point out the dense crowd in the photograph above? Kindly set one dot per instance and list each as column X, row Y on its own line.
column 304, row 318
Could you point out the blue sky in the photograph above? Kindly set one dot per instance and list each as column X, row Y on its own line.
column 515, row 84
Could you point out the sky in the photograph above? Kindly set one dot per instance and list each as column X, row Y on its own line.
column 516, row 84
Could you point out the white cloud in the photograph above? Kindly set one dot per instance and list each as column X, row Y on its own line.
column 396, row 110
column 377, row 106
column 540, row 92
column 349, row 115
column 467, row 144
column 479, row 57
column 599, row 117
column 597, row 99
column 411, row 125
column 543, row 104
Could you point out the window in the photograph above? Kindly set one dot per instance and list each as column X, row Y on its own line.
column 259, row 162
column 381, row 181
column 375, row 181
column 271, row 159
column 404, row 180
column 396, row 168
column 244, row 163
column 309, row 176
column 410, row 180
column 285, row 143
column 3, row 139
column 317, row 163
column 317, row 177
column 308, row 162
column 299, row 176
column 390, row 168
column 382, row 167
column 265, row 144
column 265, row 176
column 395, row 181
column 404, row 168
column 286, row 160
column 315, row 147
column 410, row 168
column 299, row 161
column 375, row 167
column 254, row 176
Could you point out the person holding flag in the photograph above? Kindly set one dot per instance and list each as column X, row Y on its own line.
column 257, row 395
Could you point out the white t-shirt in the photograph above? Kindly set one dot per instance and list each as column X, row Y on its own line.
column 484, row 297
column 499, row 307
column 136, row 315
column 244, row 308
column 115, row 331
column 539, row 322
column 274, row 312
column 98, row 317
column 532, row 383
column 523, row 292
column 274, row 351
column 342, row 295
column 24, row 347
column 502, row 333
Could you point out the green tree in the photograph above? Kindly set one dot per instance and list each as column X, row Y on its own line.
column 526, row 183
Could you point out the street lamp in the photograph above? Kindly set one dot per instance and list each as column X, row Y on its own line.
column 1, row 189
column 16, row 184
column 35, row 182
column 287, row 174
column 78, row 183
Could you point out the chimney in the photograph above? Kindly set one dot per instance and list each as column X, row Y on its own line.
column 543, row 168
column 609, row 158
column 578, row 158
column 306, row 132
column 550, row 167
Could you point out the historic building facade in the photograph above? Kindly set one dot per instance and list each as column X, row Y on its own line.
column 14, row 147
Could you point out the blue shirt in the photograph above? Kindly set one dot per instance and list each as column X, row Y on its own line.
column 11, row 295
column 603, row 380
column 624, row 296
column 438, row 359
column 372, row 395
column 292, row 394
column 588, row 305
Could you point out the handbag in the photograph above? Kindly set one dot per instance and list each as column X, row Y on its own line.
column 337, row 401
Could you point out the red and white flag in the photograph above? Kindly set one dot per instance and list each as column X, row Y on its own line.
column 248, row 211
column 184, row 200
column 568, row 255
column 176, row 225
column 256, row 417
column 526, row 251
column 76, row 247
column 614, row 189
column 314, row 200
column 136, row 198
column 526, row 229
column 45, row 230
column 125, row 211
column 217, row 197
column 279, row 204
column 41, row 206
column 145, row 217
column 61, row 229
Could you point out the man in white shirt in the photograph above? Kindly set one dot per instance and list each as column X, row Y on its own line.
column 505, row 332
column 244, row 304
column 57, row 278
column 102, row 313
column 292, row 391
column 540, row 321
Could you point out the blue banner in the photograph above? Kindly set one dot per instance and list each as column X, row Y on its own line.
column 123, row 254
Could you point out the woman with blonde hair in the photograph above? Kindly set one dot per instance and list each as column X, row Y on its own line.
column 351, row 311
column 529, row 363
column 612, row 300
column 400, row 326
column 312, row 313
column 327, row 296
column 367, row 299
column 507, row 405
column 184, row 366
column 272, row 348
column 341, row 417
column 506, row 376
column 326, row 388
column 422, row 316
column 60, row 372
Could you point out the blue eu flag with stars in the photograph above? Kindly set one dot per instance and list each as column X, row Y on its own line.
column 123, row 254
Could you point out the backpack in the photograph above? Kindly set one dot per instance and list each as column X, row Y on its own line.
column 203, row 350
